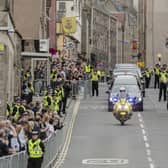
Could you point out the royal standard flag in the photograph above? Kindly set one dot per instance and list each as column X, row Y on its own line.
column 69, row 24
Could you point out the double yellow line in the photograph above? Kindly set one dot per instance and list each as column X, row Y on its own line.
column 65, row 147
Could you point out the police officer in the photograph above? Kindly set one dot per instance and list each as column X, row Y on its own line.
column 67, row 89
column 163, row 83
column 30, row 92
column 103, row 76
column 54, row 104
column 157, row 73
column 47, row 99
column 35, row 150
column 147, row 77
column 27, row 76
column 59, row 94
column 123, row 94
column 22, row 107
column 53, row 78
column 8, row 110
column 15, row 110
column 87, row 70
column 123, row 100
column 95, row 82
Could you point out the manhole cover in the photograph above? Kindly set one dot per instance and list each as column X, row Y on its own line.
column 105, row 161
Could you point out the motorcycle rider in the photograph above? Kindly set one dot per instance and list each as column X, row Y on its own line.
column 122, row 101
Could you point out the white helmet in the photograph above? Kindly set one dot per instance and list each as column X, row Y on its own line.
column 122, row 89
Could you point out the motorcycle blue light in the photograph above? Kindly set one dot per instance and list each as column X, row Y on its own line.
column 130, row 100
column 115, row 99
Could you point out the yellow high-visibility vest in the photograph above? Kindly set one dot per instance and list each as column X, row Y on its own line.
column 99, row 73
column 95, row 77
column 54, row 106
column 163, row 77
column 87, row 69
column 157, row 71
column 34, row 149
column 16, row 116
column 147, row 73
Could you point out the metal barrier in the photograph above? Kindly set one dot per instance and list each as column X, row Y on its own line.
column 84, row 87
column 53, row 146
column 81, row 89
column 3, row 118
column 74, row 85
column 40, row 86
column 19, row 160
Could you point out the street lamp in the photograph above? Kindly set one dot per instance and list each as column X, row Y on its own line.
column 159, row 55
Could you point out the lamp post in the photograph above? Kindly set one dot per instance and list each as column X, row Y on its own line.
column 123, row 41
column 159, row 55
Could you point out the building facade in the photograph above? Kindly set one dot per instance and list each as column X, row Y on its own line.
column 99, row 35
column 35, row 20
column 10, row 49
column 127, row 32
column 156, row 32
column 69, row 44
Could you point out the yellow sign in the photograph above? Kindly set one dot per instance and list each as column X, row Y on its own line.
column 141, row 64
column 2, row 47
column 69, row 24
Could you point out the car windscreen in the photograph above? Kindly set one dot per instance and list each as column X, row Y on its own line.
column 125, row 73
column 132, row 90
column 128, row 80
column 127, row 70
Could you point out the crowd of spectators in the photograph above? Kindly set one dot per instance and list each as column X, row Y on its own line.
column 14, row 133
column 24, row 115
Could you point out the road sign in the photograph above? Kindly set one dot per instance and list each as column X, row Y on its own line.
column 106, row 161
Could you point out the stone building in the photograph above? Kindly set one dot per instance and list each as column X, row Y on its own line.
column 99, row 35
column 122, row 27
column 10, row 49
column 35, row 20
column 156, row 38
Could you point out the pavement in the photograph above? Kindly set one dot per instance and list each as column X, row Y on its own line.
column 93, row 138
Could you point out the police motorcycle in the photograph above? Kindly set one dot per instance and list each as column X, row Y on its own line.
column 122, row 109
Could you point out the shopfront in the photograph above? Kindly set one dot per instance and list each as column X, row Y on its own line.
column 38, row 64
